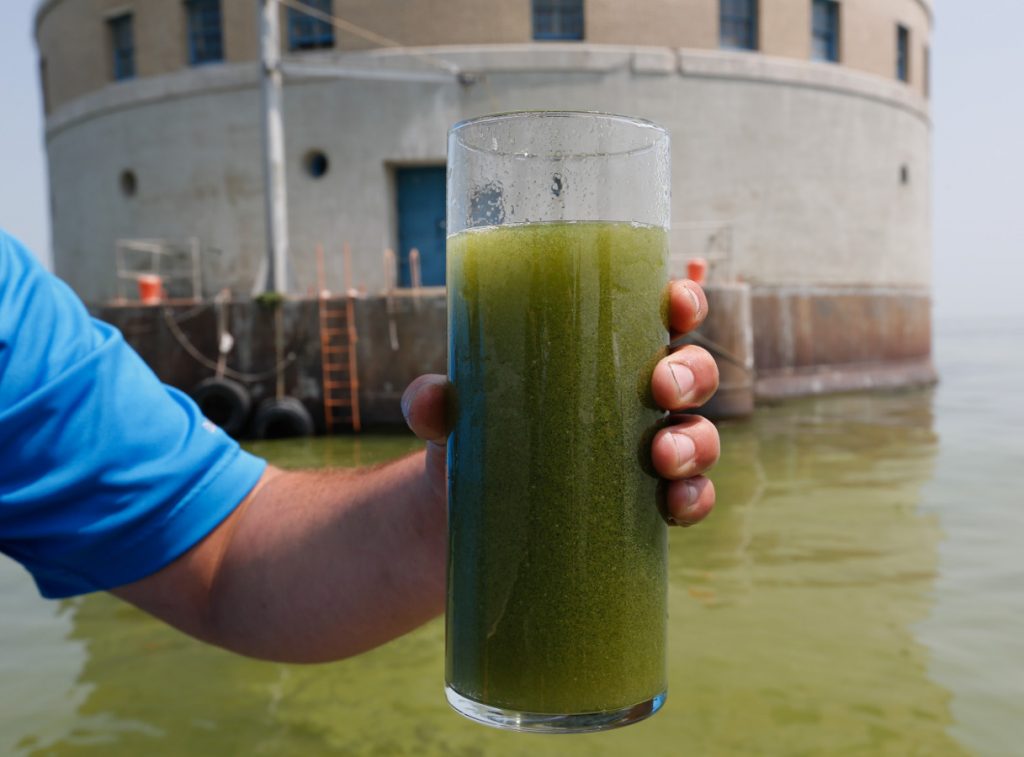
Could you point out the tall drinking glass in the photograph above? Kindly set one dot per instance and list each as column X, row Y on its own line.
column 557, row 296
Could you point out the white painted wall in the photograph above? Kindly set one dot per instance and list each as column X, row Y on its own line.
column 804, row 157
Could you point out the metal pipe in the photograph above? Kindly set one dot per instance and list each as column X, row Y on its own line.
column 275, row 191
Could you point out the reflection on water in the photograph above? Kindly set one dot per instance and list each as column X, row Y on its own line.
column 803, row 592
column 335, row 452
column 976, row 630
column 858, row 591
column 792, row 625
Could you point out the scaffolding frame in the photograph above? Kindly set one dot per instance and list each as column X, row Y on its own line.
column 164, row 260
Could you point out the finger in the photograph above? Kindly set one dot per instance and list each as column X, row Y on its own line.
column 687, row 448
column 423, row 405
column 689, row 501
column 688, row 306
column 685, row 379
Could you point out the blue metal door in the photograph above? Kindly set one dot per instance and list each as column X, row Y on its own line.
column 421, row 223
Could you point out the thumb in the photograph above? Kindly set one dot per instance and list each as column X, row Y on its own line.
column 425, row 409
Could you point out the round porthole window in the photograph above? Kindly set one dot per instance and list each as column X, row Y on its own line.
column 129, row 184
column 316, row 163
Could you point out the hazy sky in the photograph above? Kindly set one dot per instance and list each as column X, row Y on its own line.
column 978, row 112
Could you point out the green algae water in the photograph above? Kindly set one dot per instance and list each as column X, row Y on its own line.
column 857, row 591
column 557, row 593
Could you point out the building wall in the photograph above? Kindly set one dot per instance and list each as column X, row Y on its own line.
column 663, row 23
column 804, row 162
column 160, row 35
column 868, row 38
column 786, row 28
column 73, row 38
column 241, row 30
column 818, row 174
column 198, row 172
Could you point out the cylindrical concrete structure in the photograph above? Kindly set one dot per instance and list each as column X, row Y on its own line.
column 792, row 174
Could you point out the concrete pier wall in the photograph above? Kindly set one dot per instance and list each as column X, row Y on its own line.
column 399, row 339
column 803, row 340
column 830, row 339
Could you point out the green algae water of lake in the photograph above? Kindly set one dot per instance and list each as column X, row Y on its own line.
column 858, row 591
column 556, row 581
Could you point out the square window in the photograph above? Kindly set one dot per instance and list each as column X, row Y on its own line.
column 737, row 24
column 306, row 32
column 205, row 34
column 558, row 19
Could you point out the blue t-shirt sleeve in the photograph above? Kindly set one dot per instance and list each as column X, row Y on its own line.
column 106, row 475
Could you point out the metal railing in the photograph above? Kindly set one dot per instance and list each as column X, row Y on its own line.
column 176, row 263
column 711, row 240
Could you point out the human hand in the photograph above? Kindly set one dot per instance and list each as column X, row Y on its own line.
column 681, row 452
column 688, row 445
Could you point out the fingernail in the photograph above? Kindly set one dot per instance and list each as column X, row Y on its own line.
column 691, row 493
column 696, row 300
column 684, row 379
column 685, row 450
column 407, row 399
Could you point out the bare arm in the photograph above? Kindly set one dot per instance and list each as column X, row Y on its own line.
column 320, row 565
column 311, row 566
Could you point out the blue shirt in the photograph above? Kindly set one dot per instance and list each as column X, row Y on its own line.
column 106, row 475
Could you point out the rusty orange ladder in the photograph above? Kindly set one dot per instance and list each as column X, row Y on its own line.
column 338, row 340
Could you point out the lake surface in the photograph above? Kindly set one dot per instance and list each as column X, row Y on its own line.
column 859, row 590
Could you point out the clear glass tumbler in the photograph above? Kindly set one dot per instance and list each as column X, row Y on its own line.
column 557, row 294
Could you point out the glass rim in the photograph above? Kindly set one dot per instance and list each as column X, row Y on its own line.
column 516, row 115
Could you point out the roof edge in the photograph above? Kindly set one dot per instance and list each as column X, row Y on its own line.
column 44, row 7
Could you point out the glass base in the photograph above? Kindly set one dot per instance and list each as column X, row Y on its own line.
column 545, row 722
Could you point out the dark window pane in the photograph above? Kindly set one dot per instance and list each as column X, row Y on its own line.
column 308, row 33
column 205, row 37
column 825, row 30
column 558, row 19
column 123, row 46
column 738, row 24
column 902, row 53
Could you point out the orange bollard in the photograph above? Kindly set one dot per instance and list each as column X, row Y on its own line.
column 151, row 288
column 697, row 270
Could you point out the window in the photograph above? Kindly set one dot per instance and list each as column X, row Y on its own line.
column 558, row 19
column 205, row 40
column 902, row 53
column 123, row 46
column 308, row 33
column 737, row 27
column 825, row 30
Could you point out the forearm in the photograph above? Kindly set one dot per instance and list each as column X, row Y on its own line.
column 327, row 564
column 315, row 565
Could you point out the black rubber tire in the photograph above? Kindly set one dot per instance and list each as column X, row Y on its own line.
column 281, row 419
column 225, row 402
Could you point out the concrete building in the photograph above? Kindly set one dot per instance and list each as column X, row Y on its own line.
column 801, row 141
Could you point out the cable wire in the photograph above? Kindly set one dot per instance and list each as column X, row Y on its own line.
column 200, row 358
column 370, row 36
